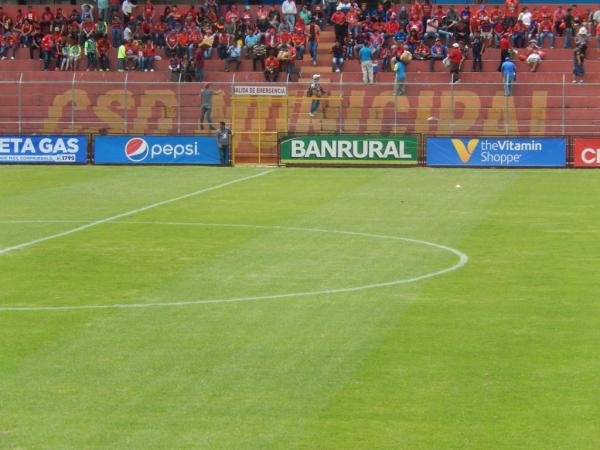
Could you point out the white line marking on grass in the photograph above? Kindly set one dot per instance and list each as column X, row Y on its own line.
column 129, row 213
column 462, row 260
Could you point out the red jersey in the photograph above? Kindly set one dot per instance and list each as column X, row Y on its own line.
column 338, row 18
column 455, row 56
column 391, row 27
column 172, row 39
column 183, row 39
column 47, row 42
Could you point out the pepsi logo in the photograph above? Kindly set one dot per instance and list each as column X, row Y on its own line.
column 136, row 149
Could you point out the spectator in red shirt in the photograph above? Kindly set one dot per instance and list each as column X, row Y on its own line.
column 103, row 47
column 47, row 49
column 519, row 37
column 271, row 68
column 46, row 21
column 340, row 25
column 183, row 41
column 546, row 31
column 504, row 50
column 148, row 55
column 87, row 28
column 171, row 48
column 456, row 59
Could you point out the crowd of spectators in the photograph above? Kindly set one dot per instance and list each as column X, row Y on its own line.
column 275, row 38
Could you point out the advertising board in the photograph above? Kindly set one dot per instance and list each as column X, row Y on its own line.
column 51, row 149
column 349, row 149
column 156, row 150
column 497, row 152
column 586, row 152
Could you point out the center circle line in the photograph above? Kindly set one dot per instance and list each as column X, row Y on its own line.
column 462, row 260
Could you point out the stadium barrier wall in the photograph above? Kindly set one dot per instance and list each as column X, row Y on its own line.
column 372, row 150
column 40, row 103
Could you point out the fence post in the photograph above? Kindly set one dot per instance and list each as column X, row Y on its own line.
column 506, row 115
column 341, row 97
column 232, row 94
column 125, row 104
column 452, row 109
column 73, row 102
column 563, row 106
column 395, row 109
column 20, row 95
column 179, row 107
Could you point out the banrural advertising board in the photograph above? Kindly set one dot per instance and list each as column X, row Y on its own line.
column 496, row 152
column 349, row 149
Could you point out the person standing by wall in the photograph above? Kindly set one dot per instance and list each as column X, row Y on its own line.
column 206, row 98
column 509, row 75
column 315, row 92
column 365, row 55
column 456, row 59
column 289, row 11
column 400, row 78
column 223, row 136
column 312, row 39
column 578, row 58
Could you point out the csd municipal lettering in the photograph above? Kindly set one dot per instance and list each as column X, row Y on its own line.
column 586, row 152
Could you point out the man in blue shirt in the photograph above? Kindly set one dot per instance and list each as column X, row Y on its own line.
column 233, row 55
column 366, row 63
column 400, row 78
column 509, row 75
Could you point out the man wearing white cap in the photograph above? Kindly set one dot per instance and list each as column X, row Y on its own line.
column 456, row 59
column 315, row 91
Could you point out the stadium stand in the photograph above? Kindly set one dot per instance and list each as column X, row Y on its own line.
column 157, row 52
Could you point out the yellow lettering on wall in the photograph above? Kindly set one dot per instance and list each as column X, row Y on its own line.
column 459, row 111
column 382, row 109
column 539, row 103
column 59, row 116
column 501, row 116
column 155, row 112
column 424, row 107
column 110, row 109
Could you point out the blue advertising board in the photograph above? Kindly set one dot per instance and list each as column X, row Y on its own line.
column 156, row 150
column 497, row 152
column 43, row 149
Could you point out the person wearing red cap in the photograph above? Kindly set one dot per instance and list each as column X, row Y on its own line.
column 206, row 96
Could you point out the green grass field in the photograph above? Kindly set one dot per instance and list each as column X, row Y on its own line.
column 503, row 352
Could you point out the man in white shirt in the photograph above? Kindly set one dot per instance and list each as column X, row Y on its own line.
column 289, row 11
column 127, row 9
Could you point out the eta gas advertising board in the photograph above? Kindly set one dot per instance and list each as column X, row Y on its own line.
column 349, row 149
column 43, row 149
column 497, row 152
column 156, row 150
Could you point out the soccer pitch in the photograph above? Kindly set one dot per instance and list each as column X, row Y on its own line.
column 176, row 308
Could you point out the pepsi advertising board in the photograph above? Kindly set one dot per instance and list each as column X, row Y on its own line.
column 43, row 149
column 156, row 150
column 497, row 152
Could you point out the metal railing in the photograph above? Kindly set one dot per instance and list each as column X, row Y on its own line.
column 125, row 106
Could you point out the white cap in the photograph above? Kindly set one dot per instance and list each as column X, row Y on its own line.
column 455, row 45
column 316, row 76
column 582, row 30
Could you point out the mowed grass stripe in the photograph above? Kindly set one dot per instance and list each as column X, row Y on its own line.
column 477, row 359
